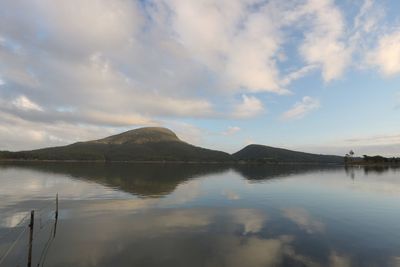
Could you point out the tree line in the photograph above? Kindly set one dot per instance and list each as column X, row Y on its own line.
column 351, row 159
column 380, row 159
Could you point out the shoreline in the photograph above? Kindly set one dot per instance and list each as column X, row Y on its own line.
column 171, row 162
column 375, row 164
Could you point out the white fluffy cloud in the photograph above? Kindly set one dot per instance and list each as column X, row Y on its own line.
column 249, row 107
column 386, row 56
column 20, row 134
column 231, row 39
column 324, row 44
column 231, row 130
column 24, row 103
column 302, row 108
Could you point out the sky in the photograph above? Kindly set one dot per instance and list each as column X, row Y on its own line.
column 320, row 76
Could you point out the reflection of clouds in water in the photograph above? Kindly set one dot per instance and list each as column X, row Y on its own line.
column 337, row 260
column 127, row 205
column 35, row 185
column 229, row 194
column 150, row 233
column 303, row 219
column 396, row 261
column 388, row 184
column 377, row 185
column 274, row 252
column 20, row 188
column 162, row 234
column 110, row 223
column 251, row 219
column 184, row 218
column 334, row 260
column 184, row 193
column 12, row 220
column 126, row 238
column 254, row 252
column 301, row 260
column 19, row 185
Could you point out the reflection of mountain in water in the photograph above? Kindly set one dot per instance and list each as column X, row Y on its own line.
column 370, row 169
column 380, row 169
column 261, row 172
column 147, row 180
column 152, row 180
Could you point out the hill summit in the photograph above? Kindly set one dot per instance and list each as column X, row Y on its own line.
column 267, row 154
column 141, row 136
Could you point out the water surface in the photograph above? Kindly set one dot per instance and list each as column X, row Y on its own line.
column 200, row 215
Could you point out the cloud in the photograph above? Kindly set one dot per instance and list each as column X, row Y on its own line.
column 379, row 144
column 374, row 140
column 249, row 107
column 386, row 56
column 229, row 38
column 249, row 141
column 323, row 44
column 231, row 130
column 368, row 17
column 19, row 134
column 187, row 132
column 340, row 148
column 300, row 73
column 24, row 103
column 103, row 118
column 302, row 108
column 25, row 109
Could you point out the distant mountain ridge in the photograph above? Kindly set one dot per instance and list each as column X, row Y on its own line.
column 267, row 154
column 161, row 144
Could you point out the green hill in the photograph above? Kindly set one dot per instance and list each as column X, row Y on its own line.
column 267, row 154
column 144, row 144
column 161, row 144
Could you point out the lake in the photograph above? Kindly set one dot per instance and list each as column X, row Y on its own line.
column 199, row 215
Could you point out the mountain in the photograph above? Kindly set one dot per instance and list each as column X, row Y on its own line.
column 267, row 154
column 161, row 144
column 144, row 144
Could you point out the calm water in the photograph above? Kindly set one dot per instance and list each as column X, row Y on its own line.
column 189, row 215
